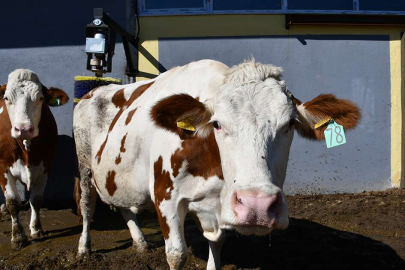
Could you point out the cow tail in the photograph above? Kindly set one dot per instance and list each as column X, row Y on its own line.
column 78, row 195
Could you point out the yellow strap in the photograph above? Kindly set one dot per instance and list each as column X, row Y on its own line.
column 185, row 125
column 322, row 122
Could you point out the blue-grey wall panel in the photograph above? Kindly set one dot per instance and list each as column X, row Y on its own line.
column 352, row 67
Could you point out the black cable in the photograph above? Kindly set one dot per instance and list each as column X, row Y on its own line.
column 137, row 20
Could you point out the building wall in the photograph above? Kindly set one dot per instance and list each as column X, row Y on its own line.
column 361, row 63
column 48, row 37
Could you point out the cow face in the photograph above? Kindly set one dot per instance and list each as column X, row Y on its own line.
column 24, row 97
column 253, row 117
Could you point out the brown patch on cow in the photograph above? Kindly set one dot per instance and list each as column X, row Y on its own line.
column 118, row 99
column 163, row 187
column 168, row 111
column 343, row 112
column 100, row 151
column 2, row 90
column 122, row 148
column 202, row 156
column 135, row 95
column 77, row 194
column 90, row 94
column 130, row 115
column 3, row 179
column 176, row 160
column 110, row 183
column 118, row 159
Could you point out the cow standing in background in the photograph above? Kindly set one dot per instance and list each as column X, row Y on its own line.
column 202, row 139
column 28, row 137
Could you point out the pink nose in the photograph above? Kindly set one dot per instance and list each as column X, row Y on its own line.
column 24, row 132
column 256, row 208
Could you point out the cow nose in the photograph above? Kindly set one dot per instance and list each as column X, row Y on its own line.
column 256, row 208
column 24, row 132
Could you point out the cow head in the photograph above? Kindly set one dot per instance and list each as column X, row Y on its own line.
column 253, row 117
column 24, row 97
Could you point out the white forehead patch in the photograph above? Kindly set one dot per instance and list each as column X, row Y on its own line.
column 23, row 79
column 253, row 93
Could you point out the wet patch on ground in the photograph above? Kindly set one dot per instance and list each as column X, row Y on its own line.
column 341, row 231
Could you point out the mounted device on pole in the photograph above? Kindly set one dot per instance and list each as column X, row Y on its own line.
column 100, row 45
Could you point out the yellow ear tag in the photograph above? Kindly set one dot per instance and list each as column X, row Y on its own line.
column 322, row 122
column 185, row 125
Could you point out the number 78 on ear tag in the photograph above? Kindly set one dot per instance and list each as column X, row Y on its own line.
column 334, row 135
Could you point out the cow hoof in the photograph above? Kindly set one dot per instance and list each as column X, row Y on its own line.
column 176, row 260
column 3, row 210
column 37, row 235
column 83, row 255
column 140, row 246
column 18, row 245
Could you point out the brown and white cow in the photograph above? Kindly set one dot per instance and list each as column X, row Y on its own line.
column 28, row 137
column 202, row 139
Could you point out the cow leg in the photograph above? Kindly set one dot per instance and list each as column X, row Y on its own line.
column 214, row 259
column 87, row 206
column 210, row 228
column 172, row 225
column 36, row 194
column 133, row 225
column 13, row 204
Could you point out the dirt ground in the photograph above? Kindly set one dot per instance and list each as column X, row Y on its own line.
column 343, row 231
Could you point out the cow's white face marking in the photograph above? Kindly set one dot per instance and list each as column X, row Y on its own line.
column 24, row 100
column 253, row 128
column 1, row 110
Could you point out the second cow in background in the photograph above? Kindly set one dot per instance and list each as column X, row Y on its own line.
column 28, row 138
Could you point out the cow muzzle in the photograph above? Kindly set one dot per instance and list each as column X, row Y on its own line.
column 254, row 208
column 24, row 132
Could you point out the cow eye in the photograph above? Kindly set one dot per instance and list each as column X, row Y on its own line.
column 216, row 125
column 41, row 98
column 6, row 98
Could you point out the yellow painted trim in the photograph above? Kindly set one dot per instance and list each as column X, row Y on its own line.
column 154, row 28
column 91, row 78
column 396, row 115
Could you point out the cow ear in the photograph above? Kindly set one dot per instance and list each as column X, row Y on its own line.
column 184, row 115
column 319, row 110
column 2, row 90
column 54, row 96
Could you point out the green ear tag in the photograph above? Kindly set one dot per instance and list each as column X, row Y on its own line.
column 54, row 102
column 334, row 134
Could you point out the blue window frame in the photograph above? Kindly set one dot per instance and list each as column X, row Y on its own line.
column 184, row 7
column 246, row 4
column 173, row 4
column 320, row 5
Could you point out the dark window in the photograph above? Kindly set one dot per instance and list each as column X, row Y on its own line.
column 321, row 4
column 247, row 4
column 384, row 5
column 177, row 4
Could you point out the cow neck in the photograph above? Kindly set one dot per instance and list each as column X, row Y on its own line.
column 202, row 156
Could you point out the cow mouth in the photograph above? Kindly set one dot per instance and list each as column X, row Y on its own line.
column 249, row 229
